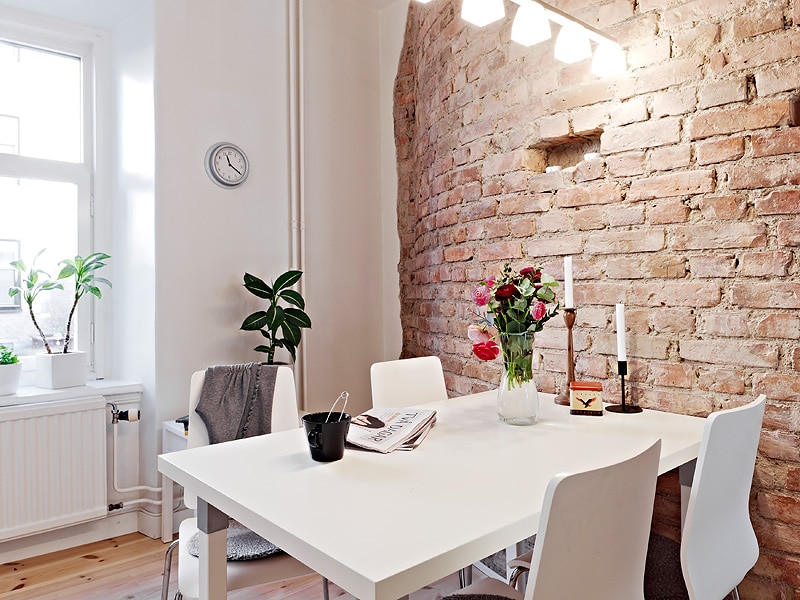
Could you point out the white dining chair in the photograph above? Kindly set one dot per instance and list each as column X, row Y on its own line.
column 409, row 381
column 718, row 544
column 592, row 537
column 241, row 573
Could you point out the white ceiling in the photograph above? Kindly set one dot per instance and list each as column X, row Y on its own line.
column 105, row 14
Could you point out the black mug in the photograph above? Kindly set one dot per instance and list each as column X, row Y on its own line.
column 326, row 434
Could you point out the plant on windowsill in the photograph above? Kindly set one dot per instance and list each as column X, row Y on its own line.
column 10, row 369
column 287, row 321
column 61, row 369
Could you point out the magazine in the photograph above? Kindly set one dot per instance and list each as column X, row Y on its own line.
column 388, row 429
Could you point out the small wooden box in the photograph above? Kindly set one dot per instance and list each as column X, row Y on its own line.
column 586, row 398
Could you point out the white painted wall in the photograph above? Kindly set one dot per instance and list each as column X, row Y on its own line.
column 349, row 197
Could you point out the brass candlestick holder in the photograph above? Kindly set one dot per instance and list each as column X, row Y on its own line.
column 569, row 321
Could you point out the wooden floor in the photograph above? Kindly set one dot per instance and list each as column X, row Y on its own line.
column 130, row 567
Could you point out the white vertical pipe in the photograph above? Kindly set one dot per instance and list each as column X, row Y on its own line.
column 296, row 196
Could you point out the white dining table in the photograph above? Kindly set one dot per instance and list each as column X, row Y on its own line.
column 383, row 525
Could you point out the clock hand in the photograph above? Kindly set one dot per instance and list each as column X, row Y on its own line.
column 228, row 158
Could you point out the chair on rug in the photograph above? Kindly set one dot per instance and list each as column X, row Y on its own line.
column 592, row 537
column 248, row 572
column 718, row 544
column 409, row 381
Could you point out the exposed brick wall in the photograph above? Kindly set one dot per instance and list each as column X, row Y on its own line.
column 689, row 217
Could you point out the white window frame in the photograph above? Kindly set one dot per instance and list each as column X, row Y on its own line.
column 91, row 46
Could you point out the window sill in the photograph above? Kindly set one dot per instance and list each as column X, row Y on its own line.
column 32, row 395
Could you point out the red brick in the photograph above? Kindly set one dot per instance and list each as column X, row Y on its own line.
column 779, row 506
column 754, row 53
column 625, row 242
column 517, row 205
column 721, row 265
column 458, row 253
column 777, row 78
column 671, row 375
column 671, row 210
column 674, row 102
column 763, row 175
column 723, row 208
column 773, row 143
column 741, row 354
column 648, row 134
column 722, row 381
column 789, row 233
column 500, row 251
column 668, row 158
column 778, row 295
column 553, row 126
column 558, row 246
column 726, row 324
column 674, row 184
column 690, row 294
column 796, row 359
column 589, row 120
column 672, row 320
column 716, row 151
column 777, row 386
column 585, row 195
column 546, row 182
column 589, row 170
column 700, row 40
column 648, row 51
column 734, row 120
column 783, row 202
column 717, row 93
column 570, row 97
column 626, row 165
column 523, row 227
column 554, row 220
column 676, row 72
column 588, row 219
column 629, row 111
column 761, row 21
column 496, row 228
column 725, row 235
column 626, row 215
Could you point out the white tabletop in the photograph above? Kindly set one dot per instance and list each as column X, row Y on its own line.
column 384, row 525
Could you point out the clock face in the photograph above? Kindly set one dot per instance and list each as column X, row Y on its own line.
column 227, row 165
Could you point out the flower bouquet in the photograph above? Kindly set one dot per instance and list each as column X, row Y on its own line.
column 511, row 309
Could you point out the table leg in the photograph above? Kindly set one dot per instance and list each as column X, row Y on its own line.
column 167, row 494
column 686, row 476
column 213, row 526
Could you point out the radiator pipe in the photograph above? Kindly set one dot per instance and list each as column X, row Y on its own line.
column 116, row 417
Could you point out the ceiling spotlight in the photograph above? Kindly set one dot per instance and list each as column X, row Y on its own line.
column 531, row 24
column 609, row 60
column 482, row 12
column 572, row 44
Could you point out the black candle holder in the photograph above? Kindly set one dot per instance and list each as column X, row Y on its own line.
column 569, row 320
column 622, row 369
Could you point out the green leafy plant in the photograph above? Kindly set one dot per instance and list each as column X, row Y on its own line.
column 7, row 356
column 288, row 321
column 82, row 271
column 33, row 282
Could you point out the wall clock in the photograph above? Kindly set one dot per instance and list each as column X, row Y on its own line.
column 227, row 165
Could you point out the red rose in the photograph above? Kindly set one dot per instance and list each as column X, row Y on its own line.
column 505, row 291
column 538, row 310
column 486, row 350
column 531, row 273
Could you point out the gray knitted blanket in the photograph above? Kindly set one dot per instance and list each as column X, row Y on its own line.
column 236, row 401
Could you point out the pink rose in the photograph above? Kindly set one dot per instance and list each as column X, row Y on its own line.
column 481, row 295
column 538, row 310
column 486, row 350
column 478, row 334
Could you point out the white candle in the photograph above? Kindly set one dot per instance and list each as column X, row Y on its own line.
column 568, row 301
column 621, row 354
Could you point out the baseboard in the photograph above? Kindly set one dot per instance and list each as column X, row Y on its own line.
column 69, row 537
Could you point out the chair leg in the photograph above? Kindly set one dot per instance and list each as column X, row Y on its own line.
column 515, row 575
column 735, row 593
column 167, row 570
column 465, row 577
column 325, row 591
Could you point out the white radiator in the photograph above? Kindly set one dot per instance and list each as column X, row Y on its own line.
column 52, row 465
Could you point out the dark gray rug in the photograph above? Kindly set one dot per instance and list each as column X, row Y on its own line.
column 663, row 578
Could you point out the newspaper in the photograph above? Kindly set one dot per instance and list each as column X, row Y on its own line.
column 388, row 429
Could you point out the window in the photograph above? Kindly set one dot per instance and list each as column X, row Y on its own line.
column 46, row 158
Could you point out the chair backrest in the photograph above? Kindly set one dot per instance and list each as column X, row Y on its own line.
column 718, row 544
column 407, row 381
column 284, row 412
column 593, row 534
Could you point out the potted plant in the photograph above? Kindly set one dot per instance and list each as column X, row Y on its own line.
column 10, row 369
column 66, row 368
column 281, row 326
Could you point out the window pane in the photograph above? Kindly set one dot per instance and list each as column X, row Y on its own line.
column 40, row 103
column 22, row 204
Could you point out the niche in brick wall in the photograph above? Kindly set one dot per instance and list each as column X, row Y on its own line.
column 568, row 151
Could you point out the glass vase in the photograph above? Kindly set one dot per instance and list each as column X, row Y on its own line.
column 517, row 397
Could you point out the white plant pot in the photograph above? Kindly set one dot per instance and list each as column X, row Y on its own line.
column 9, row 378
column 59, row 370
